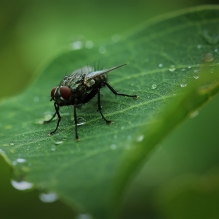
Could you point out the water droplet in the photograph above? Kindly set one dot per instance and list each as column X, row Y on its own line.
column 210, row 38
column 199, row 46
column 21, row 185
column 160, row 65
column 84, row 216
column 115, row 38
column 216, row 50
column 208, row 57
column 113, row 146
column 140, row 138
column 183, row 85
column 172, row 68
column 20, row 160
column 81, row 121
column 194, row 114
column 53, row 148
column 196, row 76
column 129, row 137
column 36, row 99
column 11, row 143
column 58, row 142
column 189, row 66
column 102, row 49
column 154, row 86
column 77, row 45
column 48, row 197
column 89, row 44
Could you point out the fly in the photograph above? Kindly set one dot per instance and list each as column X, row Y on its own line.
column 79, row 88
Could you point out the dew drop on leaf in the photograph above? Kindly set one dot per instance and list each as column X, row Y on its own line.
column 21, row 185
column 208, row 57
column 140, row 138
column 160, row 65
column 172, row 68
column 183, row 85
column 154, row 86
column 89, row 44
column 84, row 216
column 113, row 146
column 48, row 197
column 102, row 50
column 210, row 38
column 115, row 38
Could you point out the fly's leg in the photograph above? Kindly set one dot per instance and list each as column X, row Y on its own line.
column 47, row 121
column 59, row 118
column 76, row 124
column 99, row 107
column 116, row 93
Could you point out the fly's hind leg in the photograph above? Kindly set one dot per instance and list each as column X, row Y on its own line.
column 119, row 94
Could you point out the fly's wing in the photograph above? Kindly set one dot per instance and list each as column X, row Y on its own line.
column 95, row 74
column 74, row 79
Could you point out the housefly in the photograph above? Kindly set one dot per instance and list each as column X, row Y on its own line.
column 79, row 88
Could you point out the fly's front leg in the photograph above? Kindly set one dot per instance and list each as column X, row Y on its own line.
column 116, row 93
column 99, row 107
column 59, row 118
column 76, row 124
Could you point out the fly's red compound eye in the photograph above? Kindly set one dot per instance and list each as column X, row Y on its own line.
column 65, row 92
column 53, row 91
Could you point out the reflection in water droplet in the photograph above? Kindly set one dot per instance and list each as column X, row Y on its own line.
column 172, row 68
column 11, row 143
column 89, row 44
column 21, row 185
column 80, row 121
column 48, row 197
column 216, row 50
column 208, row 57
column 154, row 86
column 196, row 76
column 76, row 45
column 189, row 66
column 140, row 138
column 199, row 46
column 102, row 49
column 160, row 65
column 210, row 38
column 115, row 38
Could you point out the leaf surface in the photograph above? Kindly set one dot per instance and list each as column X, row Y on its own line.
column 163, row 57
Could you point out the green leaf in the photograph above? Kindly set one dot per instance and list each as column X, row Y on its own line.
column 164, row 56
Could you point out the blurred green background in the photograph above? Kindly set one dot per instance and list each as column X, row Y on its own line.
column 33, row 32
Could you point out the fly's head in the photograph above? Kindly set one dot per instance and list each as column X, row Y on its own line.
column 61, row 95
